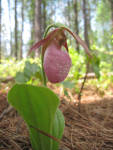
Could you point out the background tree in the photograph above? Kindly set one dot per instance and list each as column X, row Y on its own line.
column 16, row 32
column 75, row 4
column 111, row 3
column 68, row 13
column 92, row 20
column 30, row 15
column 22, row 28
column 44, row 15
column 37, row 20
column 85, row 17
column 9, row 10
column 103, row 19
column 0, row 29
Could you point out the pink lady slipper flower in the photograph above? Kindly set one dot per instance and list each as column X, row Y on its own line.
column 56, row 62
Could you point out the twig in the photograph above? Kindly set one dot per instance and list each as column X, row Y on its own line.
column 50, row 136
column 81, row 89
column 5, row 112
column 46, row 134
column 5, row 80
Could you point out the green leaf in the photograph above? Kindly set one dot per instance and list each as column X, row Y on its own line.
column 66, row 93
column 21, row 78
column 38, row 107
column 95, row 62
column 31, row 69
column 58, row 127
column 68, row 84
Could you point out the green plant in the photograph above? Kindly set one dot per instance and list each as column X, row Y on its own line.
column 39, row 108
column 39, row 105
column 31, row 70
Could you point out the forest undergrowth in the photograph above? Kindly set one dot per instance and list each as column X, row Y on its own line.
column 89, row 129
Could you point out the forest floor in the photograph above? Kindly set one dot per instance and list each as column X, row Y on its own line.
column 89, row 129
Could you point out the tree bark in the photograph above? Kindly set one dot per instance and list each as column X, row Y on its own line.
column 32, row 22
column 22, row 29
column 16, row 32
column 37, row 21
column 11, row 48
column 69, row 18
column 0, row 29
column 44, row 15
column 85, row 23
column 32, row 32
column 111, row 3
column 76, row 21
column 90, row 33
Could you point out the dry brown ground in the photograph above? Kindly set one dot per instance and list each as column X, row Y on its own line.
column 91, row 129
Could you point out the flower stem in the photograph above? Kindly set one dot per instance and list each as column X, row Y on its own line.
column 44, row 76
column 82, row 87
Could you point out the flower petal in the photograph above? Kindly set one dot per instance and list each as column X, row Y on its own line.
column 79, row 40
column 46, row 40
column 65, row 45
column 57, row 64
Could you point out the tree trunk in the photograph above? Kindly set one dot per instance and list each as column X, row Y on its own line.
column 85, row 23
column 0, row 29
column 69, row 18
column 37, row 21
column 22, row 29
column 44, row 15
column 90, row 33
column 111, row 3
column 32, row 32
column 16, row 32
column 11, row 48
column 32, row 22
column 76, row 21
